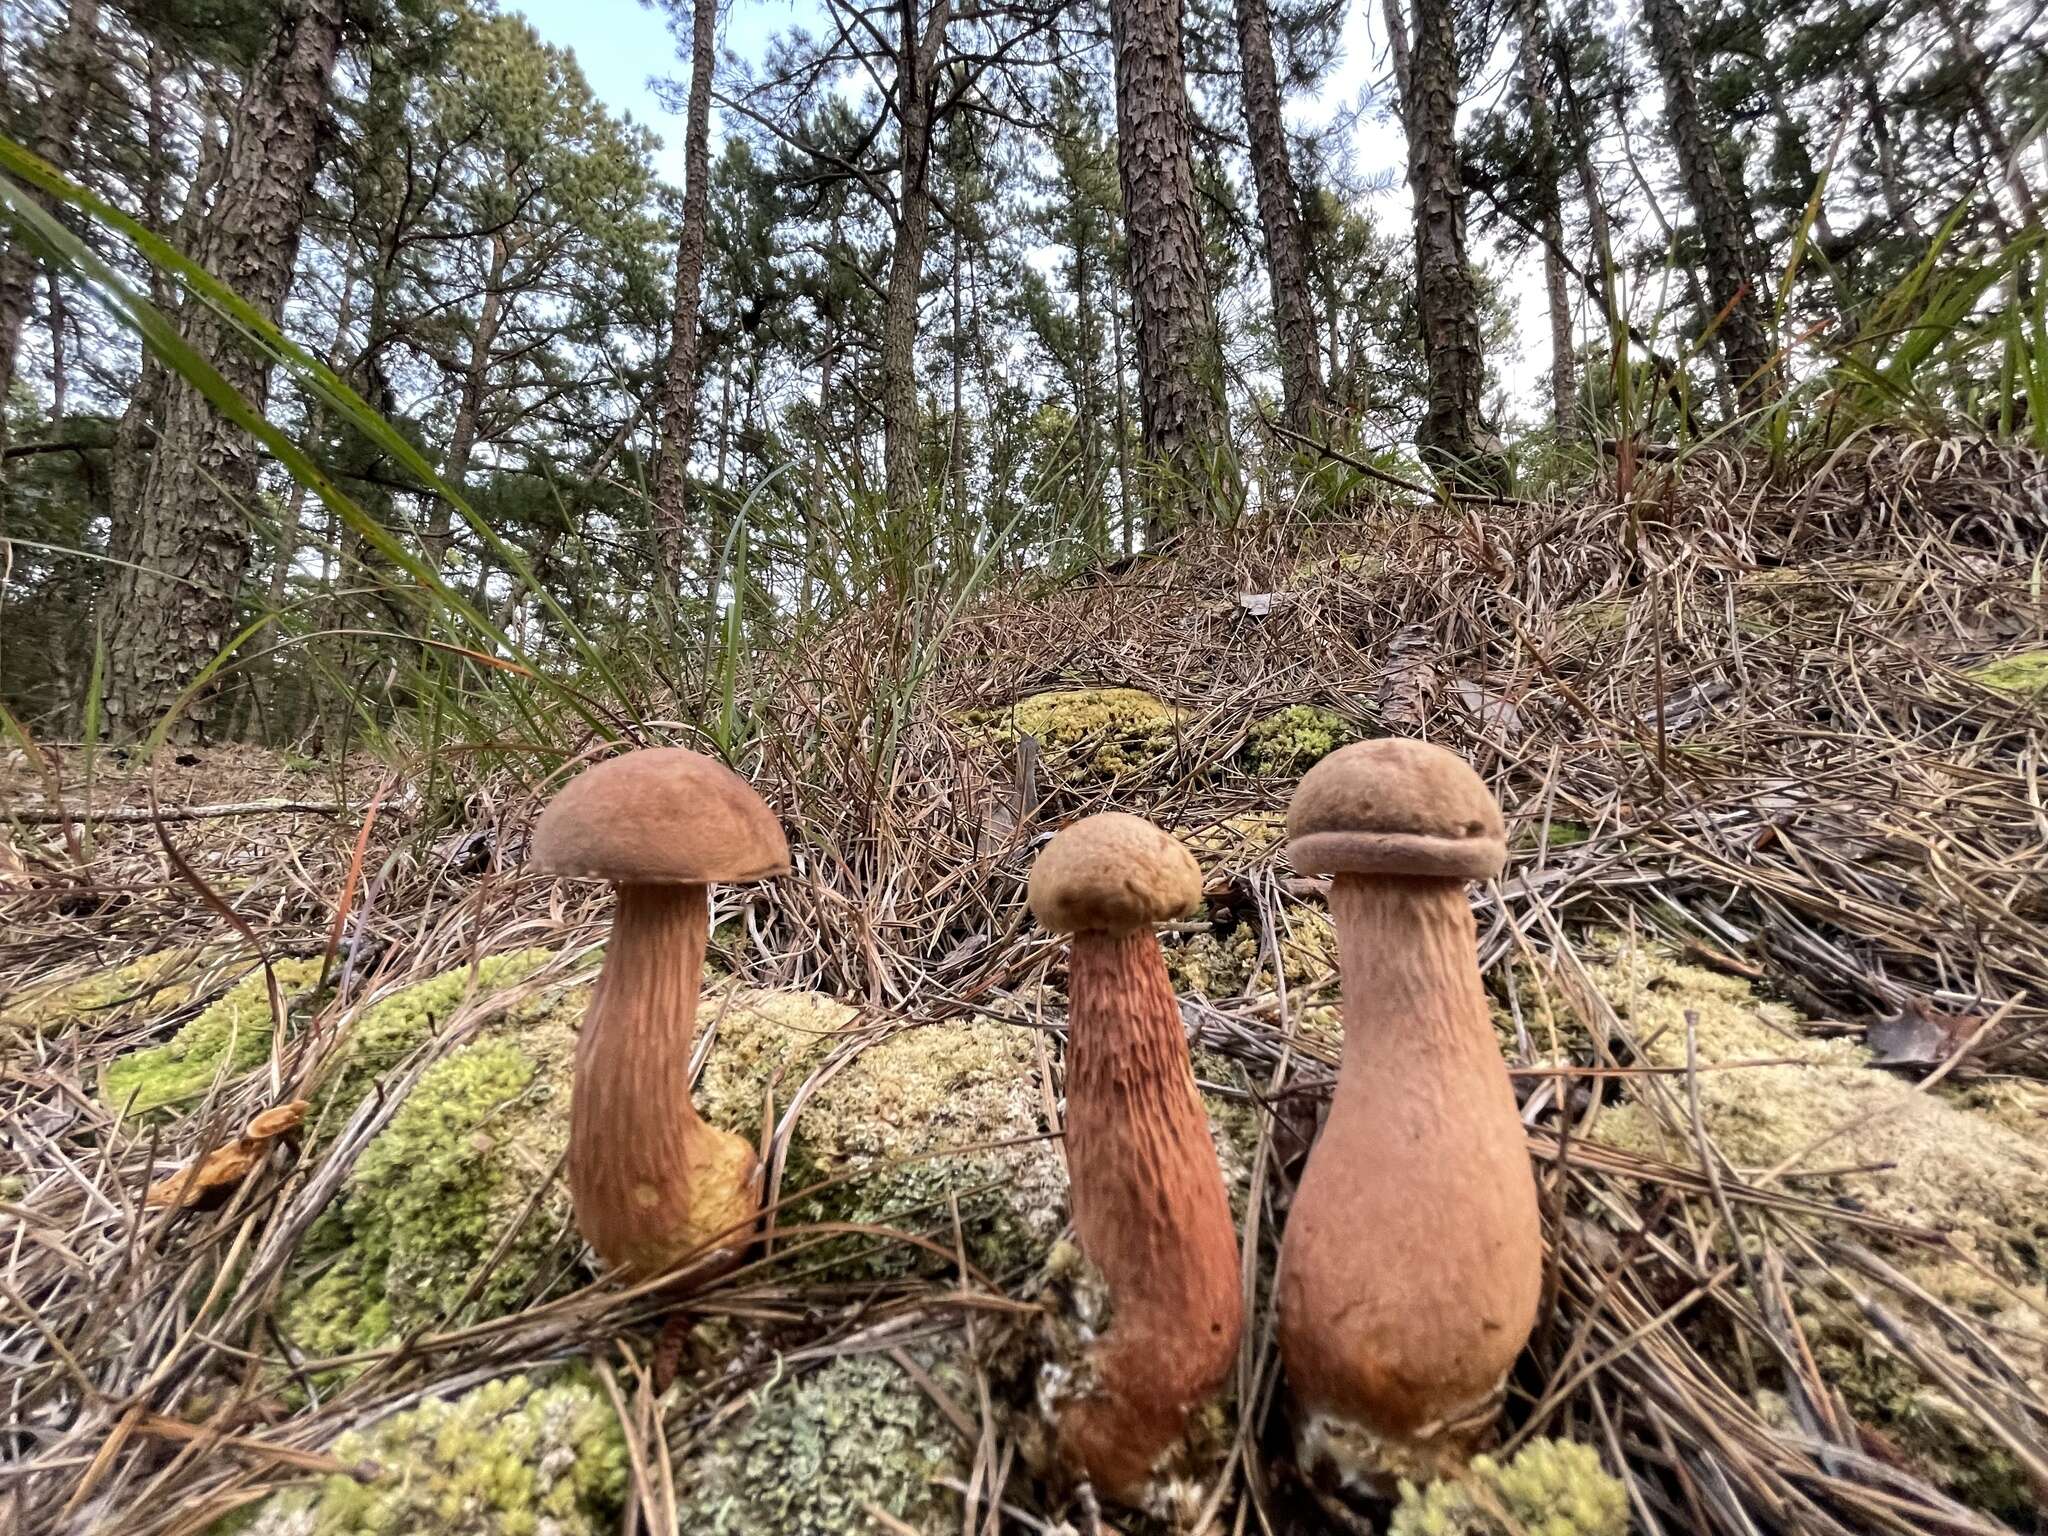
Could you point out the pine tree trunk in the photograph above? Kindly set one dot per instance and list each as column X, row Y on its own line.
column 469, row 405
column 1182, row 416
column 71, row 57
column 1724, row 236
column 678, row 419
column 1535, row 18
column 173, row 610
column 1452, row 440
column 902, row 447
column 1294, row 319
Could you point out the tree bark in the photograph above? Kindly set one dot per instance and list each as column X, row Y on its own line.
column 71, row 56
column 1452, row 440
column 1535, row 18
column 902, row 447
column 678, row 419
column 1976, row 71
column 173, row 609
column 1183, row 419
column 1724, row 236
column 1294, row 319
column 469, row 405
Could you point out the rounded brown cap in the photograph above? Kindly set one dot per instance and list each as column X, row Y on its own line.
column 1113, row 872
column 1395, row 807
column 660, row 816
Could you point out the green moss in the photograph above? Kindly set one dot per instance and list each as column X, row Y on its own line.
column 1559, row 834
column 1597, row 619
column 165, row 981
column 1235, row 839
column 1551, row 1488
column 1112, row 729
column 231, row 1036
column 1293, row 740
column 1231, row 964
column 816, row 1450
column 437, row 1193
column 2025, row 675
column 509, row 1458
column 392, row 1029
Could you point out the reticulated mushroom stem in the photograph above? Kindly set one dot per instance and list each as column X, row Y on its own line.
column 650, row 1180
column 1411, row 1260
column 1149, row 1209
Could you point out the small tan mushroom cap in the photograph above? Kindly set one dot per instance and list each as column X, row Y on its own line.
column 1111, row 873
column 660, row 816
column 1395, row 807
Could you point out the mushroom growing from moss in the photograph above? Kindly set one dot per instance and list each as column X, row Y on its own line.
column 651, row 1181
column 1150, row 1210
column 1412, row 1257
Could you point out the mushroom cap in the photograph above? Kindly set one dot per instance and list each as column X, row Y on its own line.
column 1395, row 807
column 660, row 816
column 1113, row 872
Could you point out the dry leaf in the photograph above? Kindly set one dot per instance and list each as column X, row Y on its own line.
column 225, row 1167
column 1917, row 1036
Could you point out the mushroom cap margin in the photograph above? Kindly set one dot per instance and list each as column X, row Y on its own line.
column 1395, row 807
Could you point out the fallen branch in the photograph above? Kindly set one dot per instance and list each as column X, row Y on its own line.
column 47, row 816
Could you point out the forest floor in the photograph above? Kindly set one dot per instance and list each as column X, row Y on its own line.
column 1769, row 963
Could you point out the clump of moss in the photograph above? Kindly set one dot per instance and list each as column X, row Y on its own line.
column 1293, row 740
column 1213, row 964
column 1126, row 727
column 2025, row 675
column 1235, row 839
column 1530, row 834
column 1551, row 1488
column 817, row 1450
column 229, row 1037
column 1933, row 1162
column 509, row 1458
column 914, row 1118
column 164, row 980
column 393, row 1028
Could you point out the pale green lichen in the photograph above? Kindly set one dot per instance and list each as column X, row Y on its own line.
column 509, row 1458
column 229, row 1037
column 1921, row 1160
column 2025, row 675
column 1550, row 1488
column 1110, row 730
column 815, row 1451
column 164, row 981
column 1292, row 740
column 1212, row 964
column 1235, row 839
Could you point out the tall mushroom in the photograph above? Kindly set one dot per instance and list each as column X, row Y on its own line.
column 1150, row 1210
column 651, row 1182
column 1412, row 1257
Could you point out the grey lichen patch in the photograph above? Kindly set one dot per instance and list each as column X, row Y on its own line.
column 509, row 1458
column 2024, row 676
column 1290, row 741
column 160, row 982
column 921, row 1120
column 229, row 1037
column 816, row 1450
column 1549, row 1488
column 1111, row 730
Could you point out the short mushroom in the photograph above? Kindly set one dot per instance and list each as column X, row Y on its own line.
column 1412, row 1257
column 1150, row 1210
column 652, row 1183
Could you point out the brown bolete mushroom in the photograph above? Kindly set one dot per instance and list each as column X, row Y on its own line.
column 1412, row 1257
column 652, row 1183
column 1150, row 1211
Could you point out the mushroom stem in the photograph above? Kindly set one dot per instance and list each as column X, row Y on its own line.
column 1149, row 1210
column 1408, row 1280
column 650, row 1180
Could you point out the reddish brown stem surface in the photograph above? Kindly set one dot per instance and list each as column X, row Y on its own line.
column 1150, row 1211
column 1412, row 1257
column 650, row 1180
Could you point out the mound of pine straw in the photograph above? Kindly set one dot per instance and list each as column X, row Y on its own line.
column 1745, row 727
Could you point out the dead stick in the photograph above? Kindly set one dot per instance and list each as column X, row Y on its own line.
column 44, row 817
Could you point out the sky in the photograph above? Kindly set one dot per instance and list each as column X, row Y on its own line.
column 624, row 47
